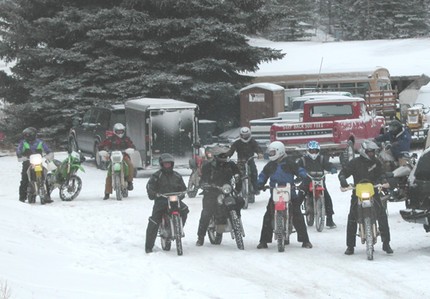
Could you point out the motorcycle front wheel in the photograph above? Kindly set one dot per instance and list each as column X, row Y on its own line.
column 71, row 188
column 178, row 233
column 192, row 188
column 368, row 233
column 279, row 230
column 309, row 208
column 320, row 214
column 237, row 229
column 214, row 237
column 116, row 178
column 165, row 234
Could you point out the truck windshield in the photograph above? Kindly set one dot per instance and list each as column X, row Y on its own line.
column 331, row 110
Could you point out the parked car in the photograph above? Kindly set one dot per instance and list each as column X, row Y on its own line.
column 94, row 127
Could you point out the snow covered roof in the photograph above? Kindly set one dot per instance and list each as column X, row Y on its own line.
column 402, row 57
column 267, row 86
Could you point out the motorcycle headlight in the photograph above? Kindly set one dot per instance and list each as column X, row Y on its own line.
column 36, row 159
column 173, row 198
column 226, row 189
column 365, row 195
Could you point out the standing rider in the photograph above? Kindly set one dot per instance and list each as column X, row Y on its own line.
column 313, row 160
column 365, row 167
column 245, row 147
column 281, row 170
column 218, row 171
column 118, row 142
column 165, row 180
column 29, row 145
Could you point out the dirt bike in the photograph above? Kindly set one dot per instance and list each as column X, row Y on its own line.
column 366, row 215
column 36, row 173
column 226, row 218
column 171, row 227
column 63, row 176
column 119, row 170
column 314, row 201
column 398, row 179
column 247, row 191
column 282, row 222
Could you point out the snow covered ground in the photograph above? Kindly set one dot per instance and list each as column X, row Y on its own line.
column 90, row 248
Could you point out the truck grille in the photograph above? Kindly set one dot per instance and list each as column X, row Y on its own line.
column 287, row 134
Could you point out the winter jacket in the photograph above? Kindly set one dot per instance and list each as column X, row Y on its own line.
column 244, row 150
column 280, row 173
column 164, row 181
column 361, row 168
column 220, row 173
column 114, row 143
column 399, row 143
column 26, row 148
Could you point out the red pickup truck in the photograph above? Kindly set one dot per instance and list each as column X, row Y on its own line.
column 339, row 124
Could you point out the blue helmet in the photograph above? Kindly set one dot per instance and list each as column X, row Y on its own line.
column 313, row 149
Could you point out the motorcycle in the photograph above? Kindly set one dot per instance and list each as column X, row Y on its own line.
column 171, row 226
column 398, row 179
column 314, row 202
column 226, row 218
column 62, row 175
column 247, row 191
column 282, row 221
column 418, row 193
column 119, row 170
column 36, row 173
column 366, row 215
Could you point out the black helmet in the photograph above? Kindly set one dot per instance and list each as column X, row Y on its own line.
column 29, row 134
column 166, row 158
column 395, row 127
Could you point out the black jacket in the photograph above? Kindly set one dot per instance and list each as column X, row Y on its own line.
column 164, row 181
column 244, row 149
column 218, row 174
column 360, row 169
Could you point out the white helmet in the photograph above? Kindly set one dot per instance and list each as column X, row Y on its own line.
column 245, row 134
column 276, row 150
column 367, row 147
column 119, row 130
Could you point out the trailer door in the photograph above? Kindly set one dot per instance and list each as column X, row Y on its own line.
column 173, row 132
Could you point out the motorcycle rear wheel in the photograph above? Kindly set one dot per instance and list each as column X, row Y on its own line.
column 71, row 188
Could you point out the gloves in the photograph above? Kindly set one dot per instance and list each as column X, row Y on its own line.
column 343, row 182
column 333, row 170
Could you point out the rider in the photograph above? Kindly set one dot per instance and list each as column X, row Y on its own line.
column 400, row 139
column 165, row 180
column 281, row 170
column 27, row 146
column 218, row 171
column 245, row 147
column 365, row 167
column 118, row 141
column 313, row 160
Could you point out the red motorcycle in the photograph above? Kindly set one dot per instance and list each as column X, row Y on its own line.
column 314, row 203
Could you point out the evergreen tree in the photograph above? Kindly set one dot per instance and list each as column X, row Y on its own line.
column 71, row 54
